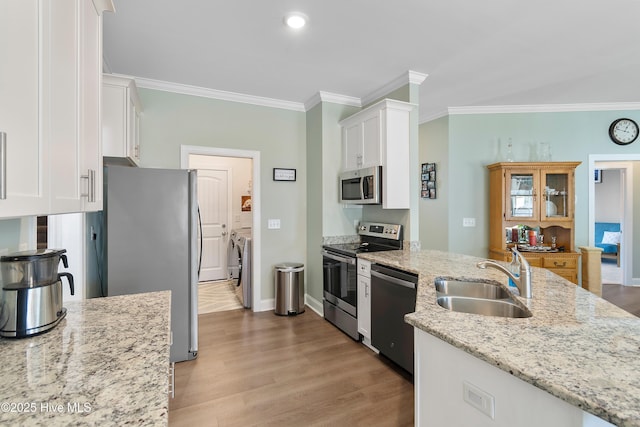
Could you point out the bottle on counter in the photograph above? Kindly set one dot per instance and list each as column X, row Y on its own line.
column 514, row 267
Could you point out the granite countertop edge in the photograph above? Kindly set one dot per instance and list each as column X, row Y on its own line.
column 106, row 363
column 548, row 350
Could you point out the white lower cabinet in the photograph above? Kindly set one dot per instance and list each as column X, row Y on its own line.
column 454, row 388
column 364, row 300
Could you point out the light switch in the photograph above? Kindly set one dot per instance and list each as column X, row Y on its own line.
column 468, row 222
column 273, row 224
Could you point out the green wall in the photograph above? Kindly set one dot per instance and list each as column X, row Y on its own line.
column 471, row 141
column 170, row 120
column 325, row 215
column 434, row 213
column 313, row 270
column 12, row 235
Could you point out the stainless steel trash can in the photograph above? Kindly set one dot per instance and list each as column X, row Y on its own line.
column 289, row 279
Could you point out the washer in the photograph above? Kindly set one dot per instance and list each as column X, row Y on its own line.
column 239, row 263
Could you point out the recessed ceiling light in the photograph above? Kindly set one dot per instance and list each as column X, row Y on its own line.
column 295, row 20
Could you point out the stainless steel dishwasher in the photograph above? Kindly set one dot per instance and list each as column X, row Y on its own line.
column 393, row 294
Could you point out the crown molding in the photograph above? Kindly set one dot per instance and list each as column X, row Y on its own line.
column 218, row 94
column 104, row 6
column 432, row 116
column 405, row 78
column 544, row 108
column 333, row 98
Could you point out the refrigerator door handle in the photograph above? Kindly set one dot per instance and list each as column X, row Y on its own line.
column 193, row 291
column 201, row 242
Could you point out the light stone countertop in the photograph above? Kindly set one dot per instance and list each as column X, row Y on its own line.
column 106, row 363
column 576, row 346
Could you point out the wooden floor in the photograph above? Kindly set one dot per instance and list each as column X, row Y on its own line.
column 625, row 297
column 261, row 369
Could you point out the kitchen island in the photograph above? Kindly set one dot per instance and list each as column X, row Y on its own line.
column 106, row 363
column 576, row 347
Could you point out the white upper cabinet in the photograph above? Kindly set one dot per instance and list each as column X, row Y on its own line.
column 379, row 135
column 50, row 106
column 24, row 164
column 90, row 103
column 121, row 108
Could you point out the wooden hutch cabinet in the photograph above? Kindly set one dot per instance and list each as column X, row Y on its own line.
column 537, row 196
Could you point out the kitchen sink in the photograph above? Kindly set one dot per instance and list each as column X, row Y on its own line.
column 473, row 289
column 485, row 307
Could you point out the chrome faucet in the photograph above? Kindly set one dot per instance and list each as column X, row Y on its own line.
column 523, row 282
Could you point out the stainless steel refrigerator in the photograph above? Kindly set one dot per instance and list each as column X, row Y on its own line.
column 151, row 235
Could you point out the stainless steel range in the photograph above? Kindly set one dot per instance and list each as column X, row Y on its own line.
column 339, row 265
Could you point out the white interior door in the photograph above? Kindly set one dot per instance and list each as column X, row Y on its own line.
column 213, row 200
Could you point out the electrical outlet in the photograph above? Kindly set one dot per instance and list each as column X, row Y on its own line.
column 273, row 224
column 479, row 399
column 468, row 222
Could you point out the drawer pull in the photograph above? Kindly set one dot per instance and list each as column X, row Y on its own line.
column 557, row 264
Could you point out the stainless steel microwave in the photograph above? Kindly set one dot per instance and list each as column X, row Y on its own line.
column 361, row 186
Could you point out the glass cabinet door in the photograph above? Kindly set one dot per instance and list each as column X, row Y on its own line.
column 555, row 189
column 522, row 195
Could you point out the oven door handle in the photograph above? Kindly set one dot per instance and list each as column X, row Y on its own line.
column 351, row 261
column 393, row 280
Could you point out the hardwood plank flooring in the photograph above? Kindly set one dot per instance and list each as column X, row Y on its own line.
column 625, row 297
column 261, row 369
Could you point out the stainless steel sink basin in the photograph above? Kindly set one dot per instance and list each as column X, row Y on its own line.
column 466, row 288
column 485, row 307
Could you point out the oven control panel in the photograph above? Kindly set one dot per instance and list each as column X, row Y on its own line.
column 376, row 229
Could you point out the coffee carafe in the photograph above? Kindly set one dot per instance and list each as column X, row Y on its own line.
column 31, row 297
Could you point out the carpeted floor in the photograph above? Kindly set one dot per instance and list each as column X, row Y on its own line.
column 217, row 296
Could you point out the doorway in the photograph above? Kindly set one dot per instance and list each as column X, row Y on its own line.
column 609, row 220
column 622, row 166
column 240, row 192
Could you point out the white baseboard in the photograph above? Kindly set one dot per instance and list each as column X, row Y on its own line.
column 314, row 305
column 266, row 305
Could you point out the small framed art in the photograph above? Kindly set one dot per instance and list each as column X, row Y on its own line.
column 428, row 180
column 280, row 174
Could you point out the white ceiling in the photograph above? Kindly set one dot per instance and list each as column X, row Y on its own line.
column 476, row 53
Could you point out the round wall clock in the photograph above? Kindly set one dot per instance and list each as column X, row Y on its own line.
column 623, row 131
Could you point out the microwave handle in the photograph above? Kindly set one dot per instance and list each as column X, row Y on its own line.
column 363, row 183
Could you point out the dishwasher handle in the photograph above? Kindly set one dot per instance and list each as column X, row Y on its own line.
column 393, row 280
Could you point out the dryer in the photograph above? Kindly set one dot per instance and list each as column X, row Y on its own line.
column 239, row 263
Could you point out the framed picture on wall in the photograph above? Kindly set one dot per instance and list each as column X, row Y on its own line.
column 246, row 203
column 428, row 180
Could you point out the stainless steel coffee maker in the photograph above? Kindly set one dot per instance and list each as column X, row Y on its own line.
column 31, row 298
